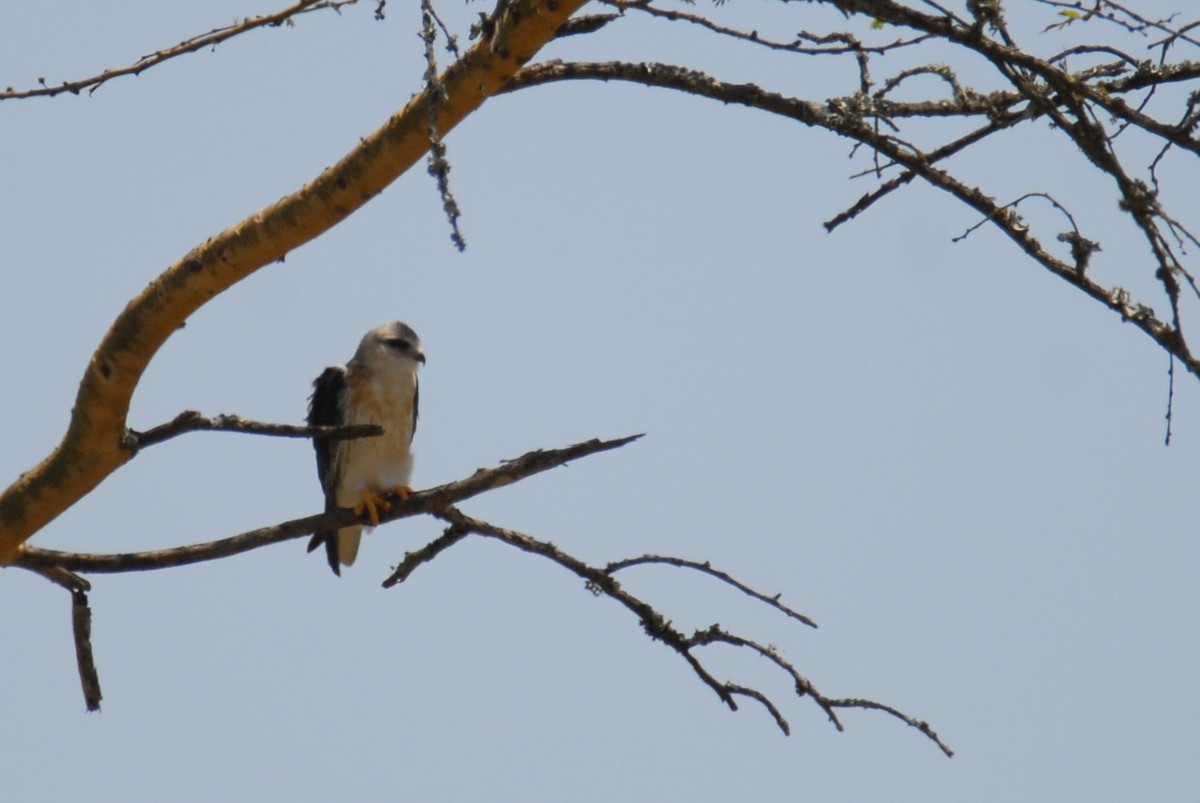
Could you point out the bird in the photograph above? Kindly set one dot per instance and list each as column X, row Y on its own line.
column 377, row 386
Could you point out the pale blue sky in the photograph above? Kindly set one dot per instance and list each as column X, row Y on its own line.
column 952, row 461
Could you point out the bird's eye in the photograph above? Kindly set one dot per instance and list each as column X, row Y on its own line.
column 398, row 343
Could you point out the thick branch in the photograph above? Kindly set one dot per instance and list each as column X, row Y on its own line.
column 95, row 445
column 430, row 501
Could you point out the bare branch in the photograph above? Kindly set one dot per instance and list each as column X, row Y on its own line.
column 423, row 502
column 451, row 536
column 933, row 157
column 601, row 582
column 1117, row 14
column 765, row 701
column 655, row 625
column 847, row 117
column 715, row 634
column 437, row 164
column 81, row 627
column 439, row 502
column 706, row 568
column 1016, row 203
column 81, row 630
column 193, row 421
column 62, row 577
column 920, row 725
column 190, row 45
column 804, row 687
column 835, row 44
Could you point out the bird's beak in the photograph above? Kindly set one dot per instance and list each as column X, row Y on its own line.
column 420, row 357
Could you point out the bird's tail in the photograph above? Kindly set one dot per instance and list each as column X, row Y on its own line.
column 341, row 546
column 348, row 539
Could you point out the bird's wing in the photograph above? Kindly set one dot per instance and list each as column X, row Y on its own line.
column 324, row 410
column 416, row 401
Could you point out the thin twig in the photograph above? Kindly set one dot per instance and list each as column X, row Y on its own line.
column 706, row 568
column 1170, row 400
column 831, row 45
column 193, row 421
column 920, row 725
column 438, row 165
column 451, row 536
column 191, row 45
column 765, row 701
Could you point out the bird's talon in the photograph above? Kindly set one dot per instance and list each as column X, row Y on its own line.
column 371, row 504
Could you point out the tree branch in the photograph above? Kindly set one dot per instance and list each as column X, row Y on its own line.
column 412, row 560
column 706, row 568
column 190, row 45
column 423, row 502
column 600, row 581
column 95, row 444
column 848, row 117
column 193, row 421
column 81, row 627
column 59, row 567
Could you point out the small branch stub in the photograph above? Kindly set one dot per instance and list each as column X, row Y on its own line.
column 81, row 626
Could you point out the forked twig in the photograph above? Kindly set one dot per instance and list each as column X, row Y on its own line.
column 600, row 581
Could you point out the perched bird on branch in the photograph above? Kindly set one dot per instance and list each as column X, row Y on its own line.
column 378, row 386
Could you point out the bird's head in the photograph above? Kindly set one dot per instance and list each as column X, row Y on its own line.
column 390, row 347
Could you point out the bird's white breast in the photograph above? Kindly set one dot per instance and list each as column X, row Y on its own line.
column 383, row 463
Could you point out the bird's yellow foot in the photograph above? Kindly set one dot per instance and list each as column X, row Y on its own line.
column 402, row 491
column 372, row 504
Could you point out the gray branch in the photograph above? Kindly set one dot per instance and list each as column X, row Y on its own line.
column 193, row 421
